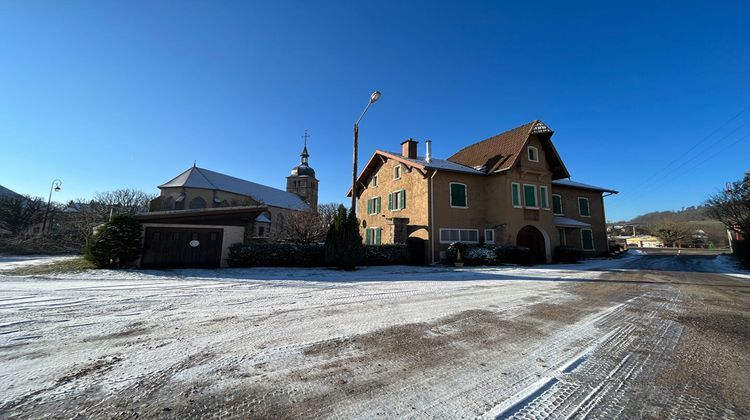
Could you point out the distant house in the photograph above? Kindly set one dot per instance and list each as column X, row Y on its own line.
column 644, row 241
column 512, row 189
column 201, row 212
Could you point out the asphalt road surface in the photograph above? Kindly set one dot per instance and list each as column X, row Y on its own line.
column 663, row 335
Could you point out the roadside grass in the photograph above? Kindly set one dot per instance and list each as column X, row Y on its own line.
column 75, row 264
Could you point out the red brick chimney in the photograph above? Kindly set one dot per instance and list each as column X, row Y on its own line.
column 409, row 148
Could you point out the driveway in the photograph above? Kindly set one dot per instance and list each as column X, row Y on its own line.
column 658, row 335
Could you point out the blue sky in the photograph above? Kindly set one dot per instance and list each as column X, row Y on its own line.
column 106, row 95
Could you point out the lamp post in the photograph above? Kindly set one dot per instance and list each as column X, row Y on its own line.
column 54, row 187
column 373, row 98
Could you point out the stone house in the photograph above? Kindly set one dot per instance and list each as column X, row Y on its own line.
column 511, row 189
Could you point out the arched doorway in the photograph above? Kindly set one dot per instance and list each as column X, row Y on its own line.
column 530, row 237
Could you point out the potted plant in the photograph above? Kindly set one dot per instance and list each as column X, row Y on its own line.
column 459, row 261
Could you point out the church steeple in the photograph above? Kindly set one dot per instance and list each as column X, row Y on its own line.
column 302, row 179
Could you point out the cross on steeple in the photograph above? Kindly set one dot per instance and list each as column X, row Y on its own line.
column 306, row 136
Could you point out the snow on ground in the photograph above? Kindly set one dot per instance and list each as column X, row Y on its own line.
column 729, row 265
column 8, row 262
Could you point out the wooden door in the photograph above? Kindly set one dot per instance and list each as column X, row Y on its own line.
column 165, row 247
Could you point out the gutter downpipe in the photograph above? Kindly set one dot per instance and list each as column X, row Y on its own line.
column 432, row 219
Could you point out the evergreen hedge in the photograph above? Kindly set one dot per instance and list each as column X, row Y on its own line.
column 344, row 247
column 385, row 255
column 116, row 243
column 266, row 254
column 568, row 254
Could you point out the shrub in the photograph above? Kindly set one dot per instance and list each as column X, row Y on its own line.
column 265, row 254
column 385, row 255
column 568, row 254
column 451, row 254
column 116, row 243
column 344, row 247
column 480, row 256
column 519, row 255
column 742, row 251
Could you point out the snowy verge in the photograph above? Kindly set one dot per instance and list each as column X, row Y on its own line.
column 8, row 262
column 728, row 265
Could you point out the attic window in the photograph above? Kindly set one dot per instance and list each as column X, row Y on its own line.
column 374, row 181
column 533, row 154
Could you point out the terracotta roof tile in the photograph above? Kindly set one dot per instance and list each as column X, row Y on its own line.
column 497, row 152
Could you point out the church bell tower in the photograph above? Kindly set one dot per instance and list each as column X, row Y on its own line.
column 302, row 181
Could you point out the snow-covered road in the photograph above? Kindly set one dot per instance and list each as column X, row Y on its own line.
column 389, row 341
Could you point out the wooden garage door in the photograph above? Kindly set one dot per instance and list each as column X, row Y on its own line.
column 181, row 247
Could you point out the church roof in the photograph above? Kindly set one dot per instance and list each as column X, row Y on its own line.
column 196, row 177
column 5, row 192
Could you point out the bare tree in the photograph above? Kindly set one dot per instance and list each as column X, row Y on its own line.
column 328, row 213
column 18, row 213
column 732, row 206
column 303, row 228
column 672, row 232
column 309, row 227
column 122, row 201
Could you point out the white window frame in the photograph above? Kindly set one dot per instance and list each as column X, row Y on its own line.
column 373, row 235
column 563, row 237
column 492, row 233
column 536, row 154
column 520, row 195
column 459, row 235
column 588, row 206
column 395, row 194
column 536, row 196
column 593, row 245
column 397, row 172
column 562, row 210
column 545, row 195
column 450, row 195
column 374, row 181
column 373, row 207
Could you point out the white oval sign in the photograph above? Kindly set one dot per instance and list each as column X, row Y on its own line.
column 194, row 243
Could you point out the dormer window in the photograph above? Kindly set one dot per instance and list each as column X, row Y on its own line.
column 533, row 154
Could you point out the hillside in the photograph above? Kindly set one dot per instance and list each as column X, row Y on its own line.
column 694, row 215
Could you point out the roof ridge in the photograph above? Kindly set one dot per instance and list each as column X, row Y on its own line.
column 530, row 124
column 200, row 171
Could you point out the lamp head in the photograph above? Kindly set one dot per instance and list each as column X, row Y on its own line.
column 374, row 97
column 57, row 189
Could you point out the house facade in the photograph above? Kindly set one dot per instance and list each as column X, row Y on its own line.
column 510, row 189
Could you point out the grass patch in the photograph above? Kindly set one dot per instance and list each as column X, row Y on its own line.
column 75, row 264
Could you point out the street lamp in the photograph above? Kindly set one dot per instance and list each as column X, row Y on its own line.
column 54, row 187
column 373, row 98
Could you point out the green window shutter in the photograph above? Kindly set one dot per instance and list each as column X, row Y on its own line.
column 369, row 206
column 557, row 204
column 403, row 199
column 377, row 236
column 377, row 205
column 516, row 195
column 587, row 239
column 543, row 197
column 390, row 201
column 368, row 236
column 583, row 206
column 529, row 196
column 458, row 195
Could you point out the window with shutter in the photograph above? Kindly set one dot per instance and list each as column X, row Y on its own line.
column 458, row 195
column 516, row 193
column 583, row 207
column 587, row 239
column 529, row 196
column 543, row 197
column 368, row 236
column 403, row 199
column 390, row 201
column 557, row 204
